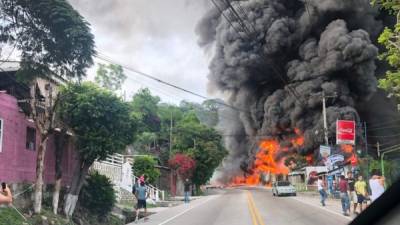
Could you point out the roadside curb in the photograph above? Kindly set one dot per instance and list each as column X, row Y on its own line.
column 324, row 208
column 314, row 195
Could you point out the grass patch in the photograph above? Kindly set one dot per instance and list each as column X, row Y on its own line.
column 8, row 216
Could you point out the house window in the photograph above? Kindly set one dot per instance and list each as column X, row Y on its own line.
column 30, row 138
column 1, row 135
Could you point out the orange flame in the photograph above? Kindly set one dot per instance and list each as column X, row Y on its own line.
column 309, row 159
column 347, row 148
column 266, row 164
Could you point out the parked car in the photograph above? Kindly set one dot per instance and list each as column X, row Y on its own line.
column 283, row 188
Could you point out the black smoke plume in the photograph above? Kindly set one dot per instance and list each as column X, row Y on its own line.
column 274, row 63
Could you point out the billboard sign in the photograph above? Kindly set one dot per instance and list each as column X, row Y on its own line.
column 345, row 132
column 325, row 151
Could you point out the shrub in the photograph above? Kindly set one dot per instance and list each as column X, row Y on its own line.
column 97, row 195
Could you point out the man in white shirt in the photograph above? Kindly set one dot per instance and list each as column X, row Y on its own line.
column 377, row 185
column 321, row 190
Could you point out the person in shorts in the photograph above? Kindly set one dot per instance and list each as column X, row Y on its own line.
column 352, row 193
column 141, row 196
column 361, row 190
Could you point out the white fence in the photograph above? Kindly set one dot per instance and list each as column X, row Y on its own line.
column 111, row 167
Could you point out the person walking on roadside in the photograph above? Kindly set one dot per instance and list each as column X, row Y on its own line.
column 5, row 195
column 321, row 190
column 377, row 185
column 141, row 196
column 344, row 197
column 361, row 190
column 187, row 185
column 352, row 193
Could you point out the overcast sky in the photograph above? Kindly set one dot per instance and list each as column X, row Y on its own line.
column 153, row 36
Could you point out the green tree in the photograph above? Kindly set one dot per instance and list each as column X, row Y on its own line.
column 98, row 195
column 145, row 165
column 390, row 38
column 144, row 141
column 53, row 40
column 53, row 37
column 145, row 107
column 102, row 125
column 169, row 115
column 200, row 142
column 110, row 76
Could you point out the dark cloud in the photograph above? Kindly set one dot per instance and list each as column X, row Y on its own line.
column 321, row 46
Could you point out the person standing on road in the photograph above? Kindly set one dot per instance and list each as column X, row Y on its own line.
column 344, row 197
column 377, row 185
column 187, row 190
column 352, row 193
column 141, row 195
column 321, row 190
column 361, row 190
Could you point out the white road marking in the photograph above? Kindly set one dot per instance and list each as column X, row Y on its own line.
column 187, row 210
column 331, row 211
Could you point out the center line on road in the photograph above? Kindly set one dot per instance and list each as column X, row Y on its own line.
column 254, row 210
column 253, row 216
column 187, row 210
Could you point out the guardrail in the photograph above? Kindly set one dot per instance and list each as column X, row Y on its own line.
column 111, row 167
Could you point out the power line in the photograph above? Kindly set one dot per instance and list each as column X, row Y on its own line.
column 107, row 59
column 384, row 123
column 386, row 143
column 386, row 136
column 385, row 127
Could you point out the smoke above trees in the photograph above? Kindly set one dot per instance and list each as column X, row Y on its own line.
column 274, row 74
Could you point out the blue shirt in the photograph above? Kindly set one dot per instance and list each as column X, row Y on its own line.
column 141, row 192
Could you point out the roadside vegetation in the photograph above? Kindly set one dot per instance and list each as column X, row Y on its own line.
column 56, row 41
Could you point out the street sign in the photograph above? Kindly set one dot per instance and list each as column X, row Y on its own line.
column 333, row 159
column 345, row 132
column 325, row 151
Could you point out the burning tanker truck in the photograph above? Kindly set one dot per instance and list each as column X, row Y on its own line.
column 273, row 60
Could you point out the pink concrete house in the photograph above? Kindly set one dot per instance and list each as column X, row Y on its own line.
column 19, row 142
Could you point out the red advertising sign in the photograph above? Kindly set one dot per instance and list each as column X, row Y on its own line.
column 345, row 132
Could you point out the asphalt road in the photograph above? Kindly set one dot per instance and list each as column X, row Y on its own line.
column 241, row 206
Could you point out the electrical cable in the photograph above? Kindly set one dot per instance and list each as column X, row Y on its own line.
column 151, row 77
column 274, row 69
column 166, row 83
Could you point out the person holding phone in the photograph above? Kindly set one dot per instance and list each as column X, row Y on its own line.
column 5, row 194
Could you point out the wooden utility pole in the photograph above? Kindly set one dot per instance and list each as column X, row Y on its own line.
column 170, row 135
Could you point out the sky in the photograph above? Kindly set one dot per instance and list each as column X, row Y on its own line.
column 154, row 36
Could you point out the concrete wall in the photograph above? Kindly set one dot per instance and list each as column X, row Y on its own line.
column 18, row 164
